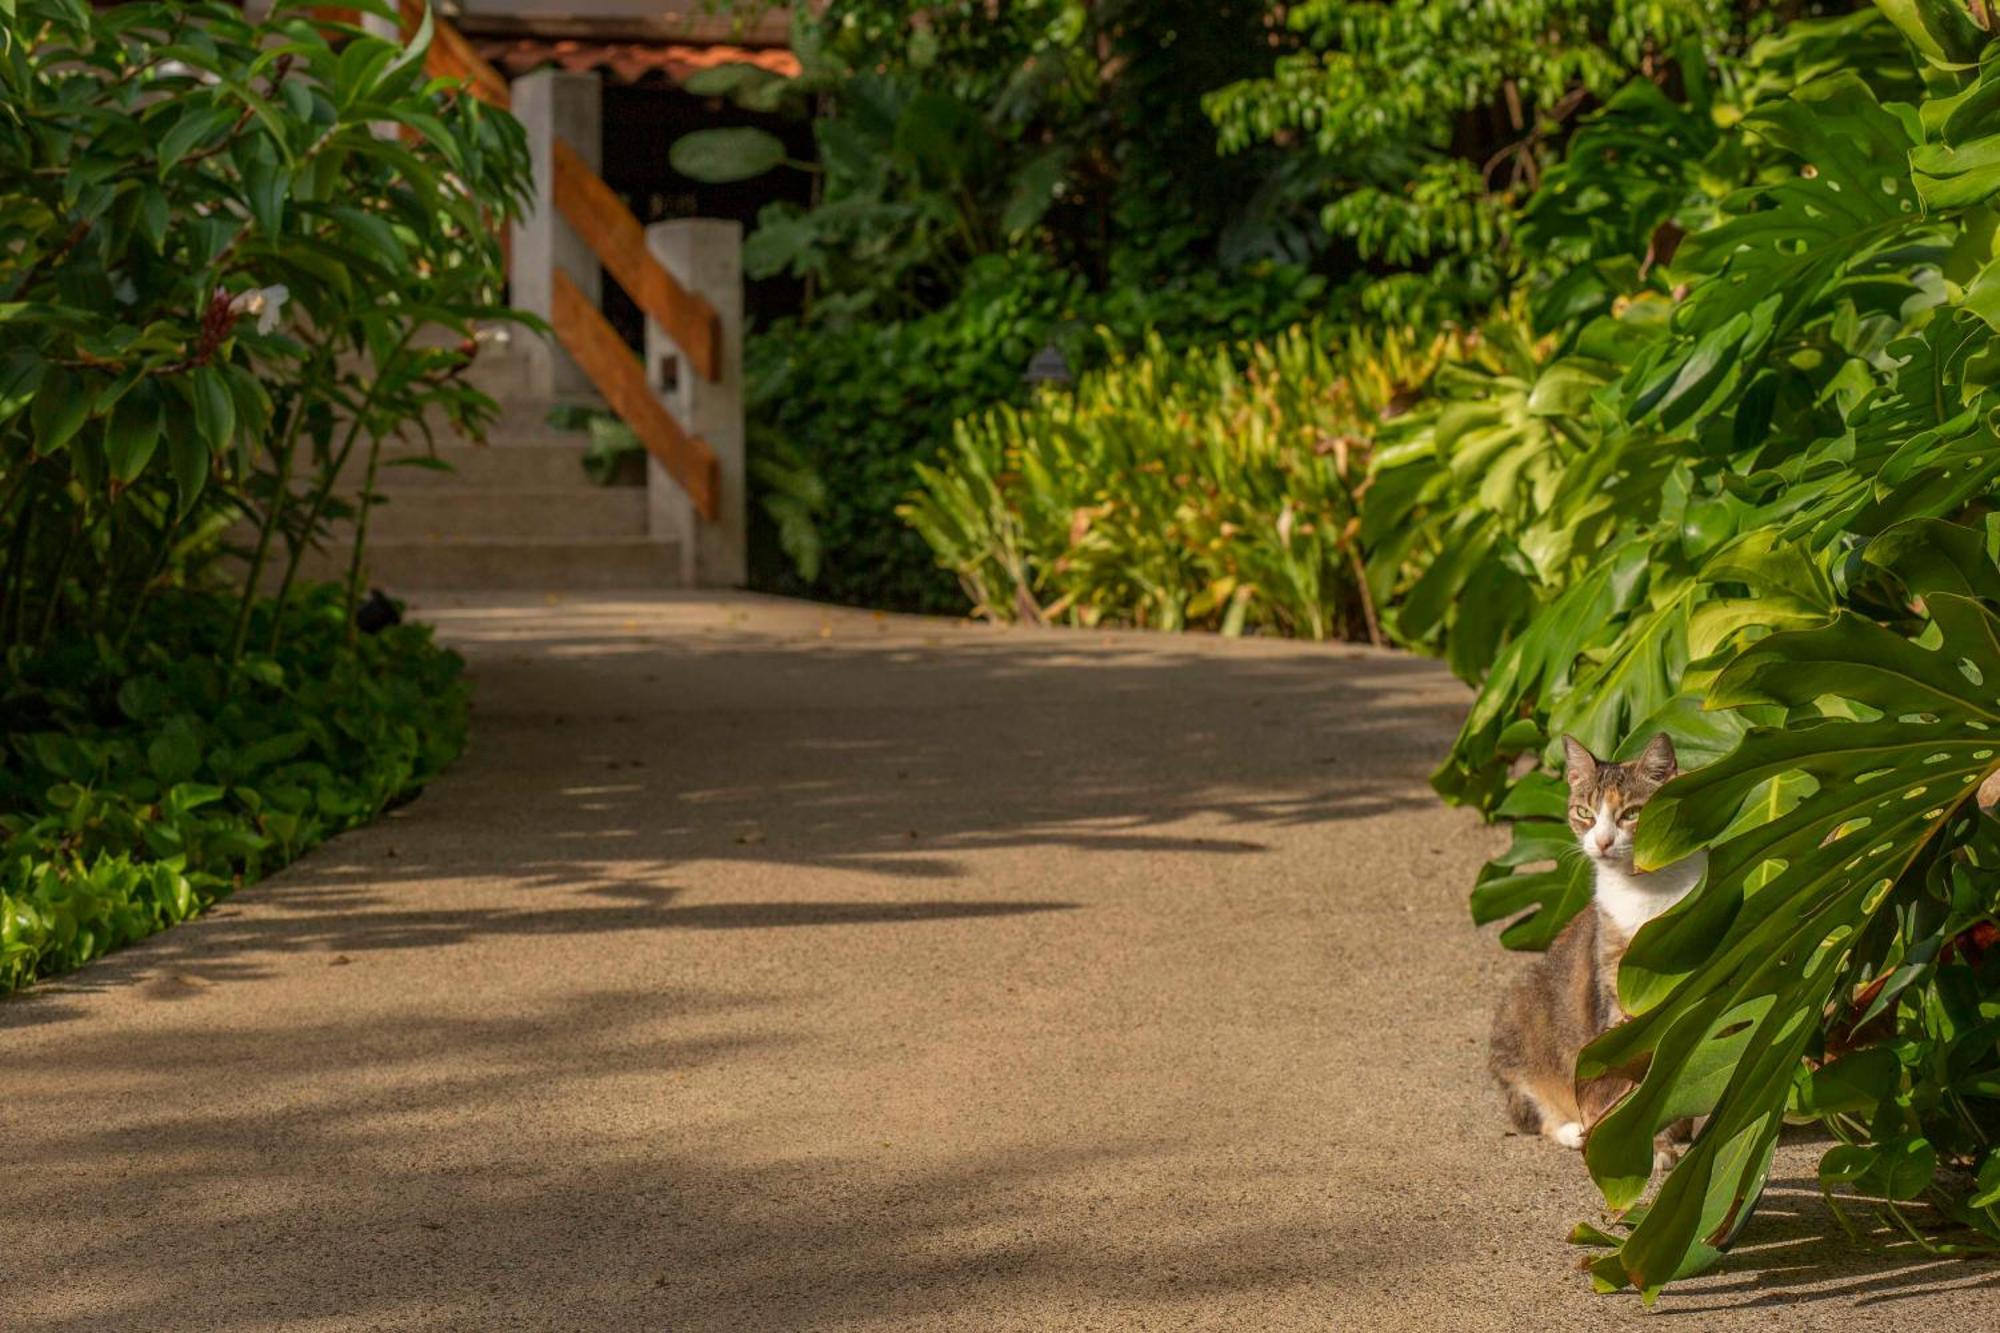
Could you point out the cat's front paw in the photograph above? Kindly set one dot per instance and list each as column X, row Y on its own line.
column 1569, row 1134
column 1664, row 1157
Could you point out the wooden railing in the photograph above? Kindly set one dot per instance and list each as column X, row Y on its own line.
column 618, row 239
column 596, row 346
column 608, row 227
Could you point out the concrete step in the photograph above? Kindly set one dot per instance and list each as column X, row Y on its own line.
column 457, row 513
column 545, row 463
column 502, row 367
column 396, row 566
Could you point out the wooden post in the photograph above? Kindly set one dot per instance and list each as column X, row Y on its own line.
column 552, row 104
column 705, row 256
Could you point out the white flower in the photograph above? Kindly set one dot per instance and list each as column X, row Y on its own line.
column 266, row 303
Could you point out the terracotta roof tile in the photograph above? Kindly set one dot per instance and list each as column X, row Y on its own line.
column 628, row 62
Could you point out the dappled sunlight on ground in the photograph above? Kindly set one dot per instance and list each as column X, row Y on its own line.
column 767, row 966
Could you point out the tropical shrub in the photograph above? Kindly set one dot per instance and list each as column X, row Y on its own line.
column 222, row 288
column 1150, row 162
column 220, row 285
column 1203, row 489
column 986, row 181
column 1429, row 126
column 1747, row 503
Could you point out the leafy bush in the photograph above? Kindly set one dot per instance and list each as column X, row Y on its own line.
column 219, row 285
column 1431, row 125
column 1174, row 491
column 1748, row 502
column 986, row 181
column 140, row 786
column 222, row 288
column 855, row 408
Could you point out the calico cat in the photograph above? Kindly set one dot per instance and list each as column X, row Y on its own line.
column 1569, row 996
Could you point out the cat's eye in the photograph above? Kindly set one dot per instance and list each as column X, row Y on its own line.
column 1582, row 814
column 1630, row 814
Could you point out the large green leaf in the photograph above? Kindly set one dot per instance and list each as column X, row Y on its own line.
column 1958, row 165
column 1736, row 977
column 720, row 157
column 1788, row 248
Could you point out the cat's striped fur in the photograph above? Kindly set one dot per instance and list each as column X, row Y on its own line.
column 1569, row 996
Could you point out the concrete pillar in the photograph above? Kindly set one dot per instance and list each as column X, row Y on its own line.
column 705, row 255
column 552, row 104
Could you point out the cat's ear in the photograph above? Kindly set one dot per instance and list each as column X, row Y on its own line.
column 1656, row 763
column 1579, row 764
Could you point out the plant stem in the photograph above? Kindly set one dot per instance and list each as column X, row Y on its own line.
column 53, row 606
column 17, row 586
column 14, row 582
column 170, row 521
column 361, row 531
column 329, row 480
column 307, row 389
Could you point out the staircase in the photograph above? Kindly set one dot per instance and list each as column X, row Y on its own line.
column 515, row 512
column 518, row 511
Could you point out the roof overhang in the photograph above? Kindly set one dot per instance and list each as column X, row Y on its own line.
column 628, row 62
column 612, row 22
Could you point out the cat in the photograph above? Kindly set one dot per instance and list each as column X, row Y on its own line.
column 1569, row 997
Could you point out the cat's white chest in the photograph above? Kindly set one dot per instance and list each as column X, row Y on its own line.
column 1630, row 901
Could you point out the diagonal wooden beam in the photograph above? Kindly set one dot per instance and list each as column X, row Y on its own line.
column 596, row 346
column 600, row 217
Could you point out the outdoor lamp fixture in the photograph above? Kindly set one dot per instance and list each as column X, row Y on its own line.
column 1048, row 367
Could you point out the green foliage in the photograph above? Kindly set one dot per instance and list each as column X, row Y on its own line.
column 214, row 275
column 138, row 787
column 1434, row 124
column 222, row 287
column 857, row 407
column 986, row 182
column 615, row 456
column 1743, row 496
column 1170, row 491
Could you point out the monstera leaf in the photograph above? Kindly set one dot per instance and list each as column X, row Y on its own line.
column 1535, row 665
column 1790, row 249
column 1730, row 988
column 1543, row 875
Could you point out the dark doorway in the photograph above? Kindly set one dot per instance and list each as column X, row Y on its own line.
column 641, row 122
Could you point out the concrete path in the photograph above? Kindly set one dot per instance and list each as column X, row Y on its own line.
column 765, row 967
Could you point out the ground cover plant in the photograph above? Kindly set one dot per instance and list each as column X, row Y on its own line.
column 1732, row 479
column 222, row 288
column 141, row 785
